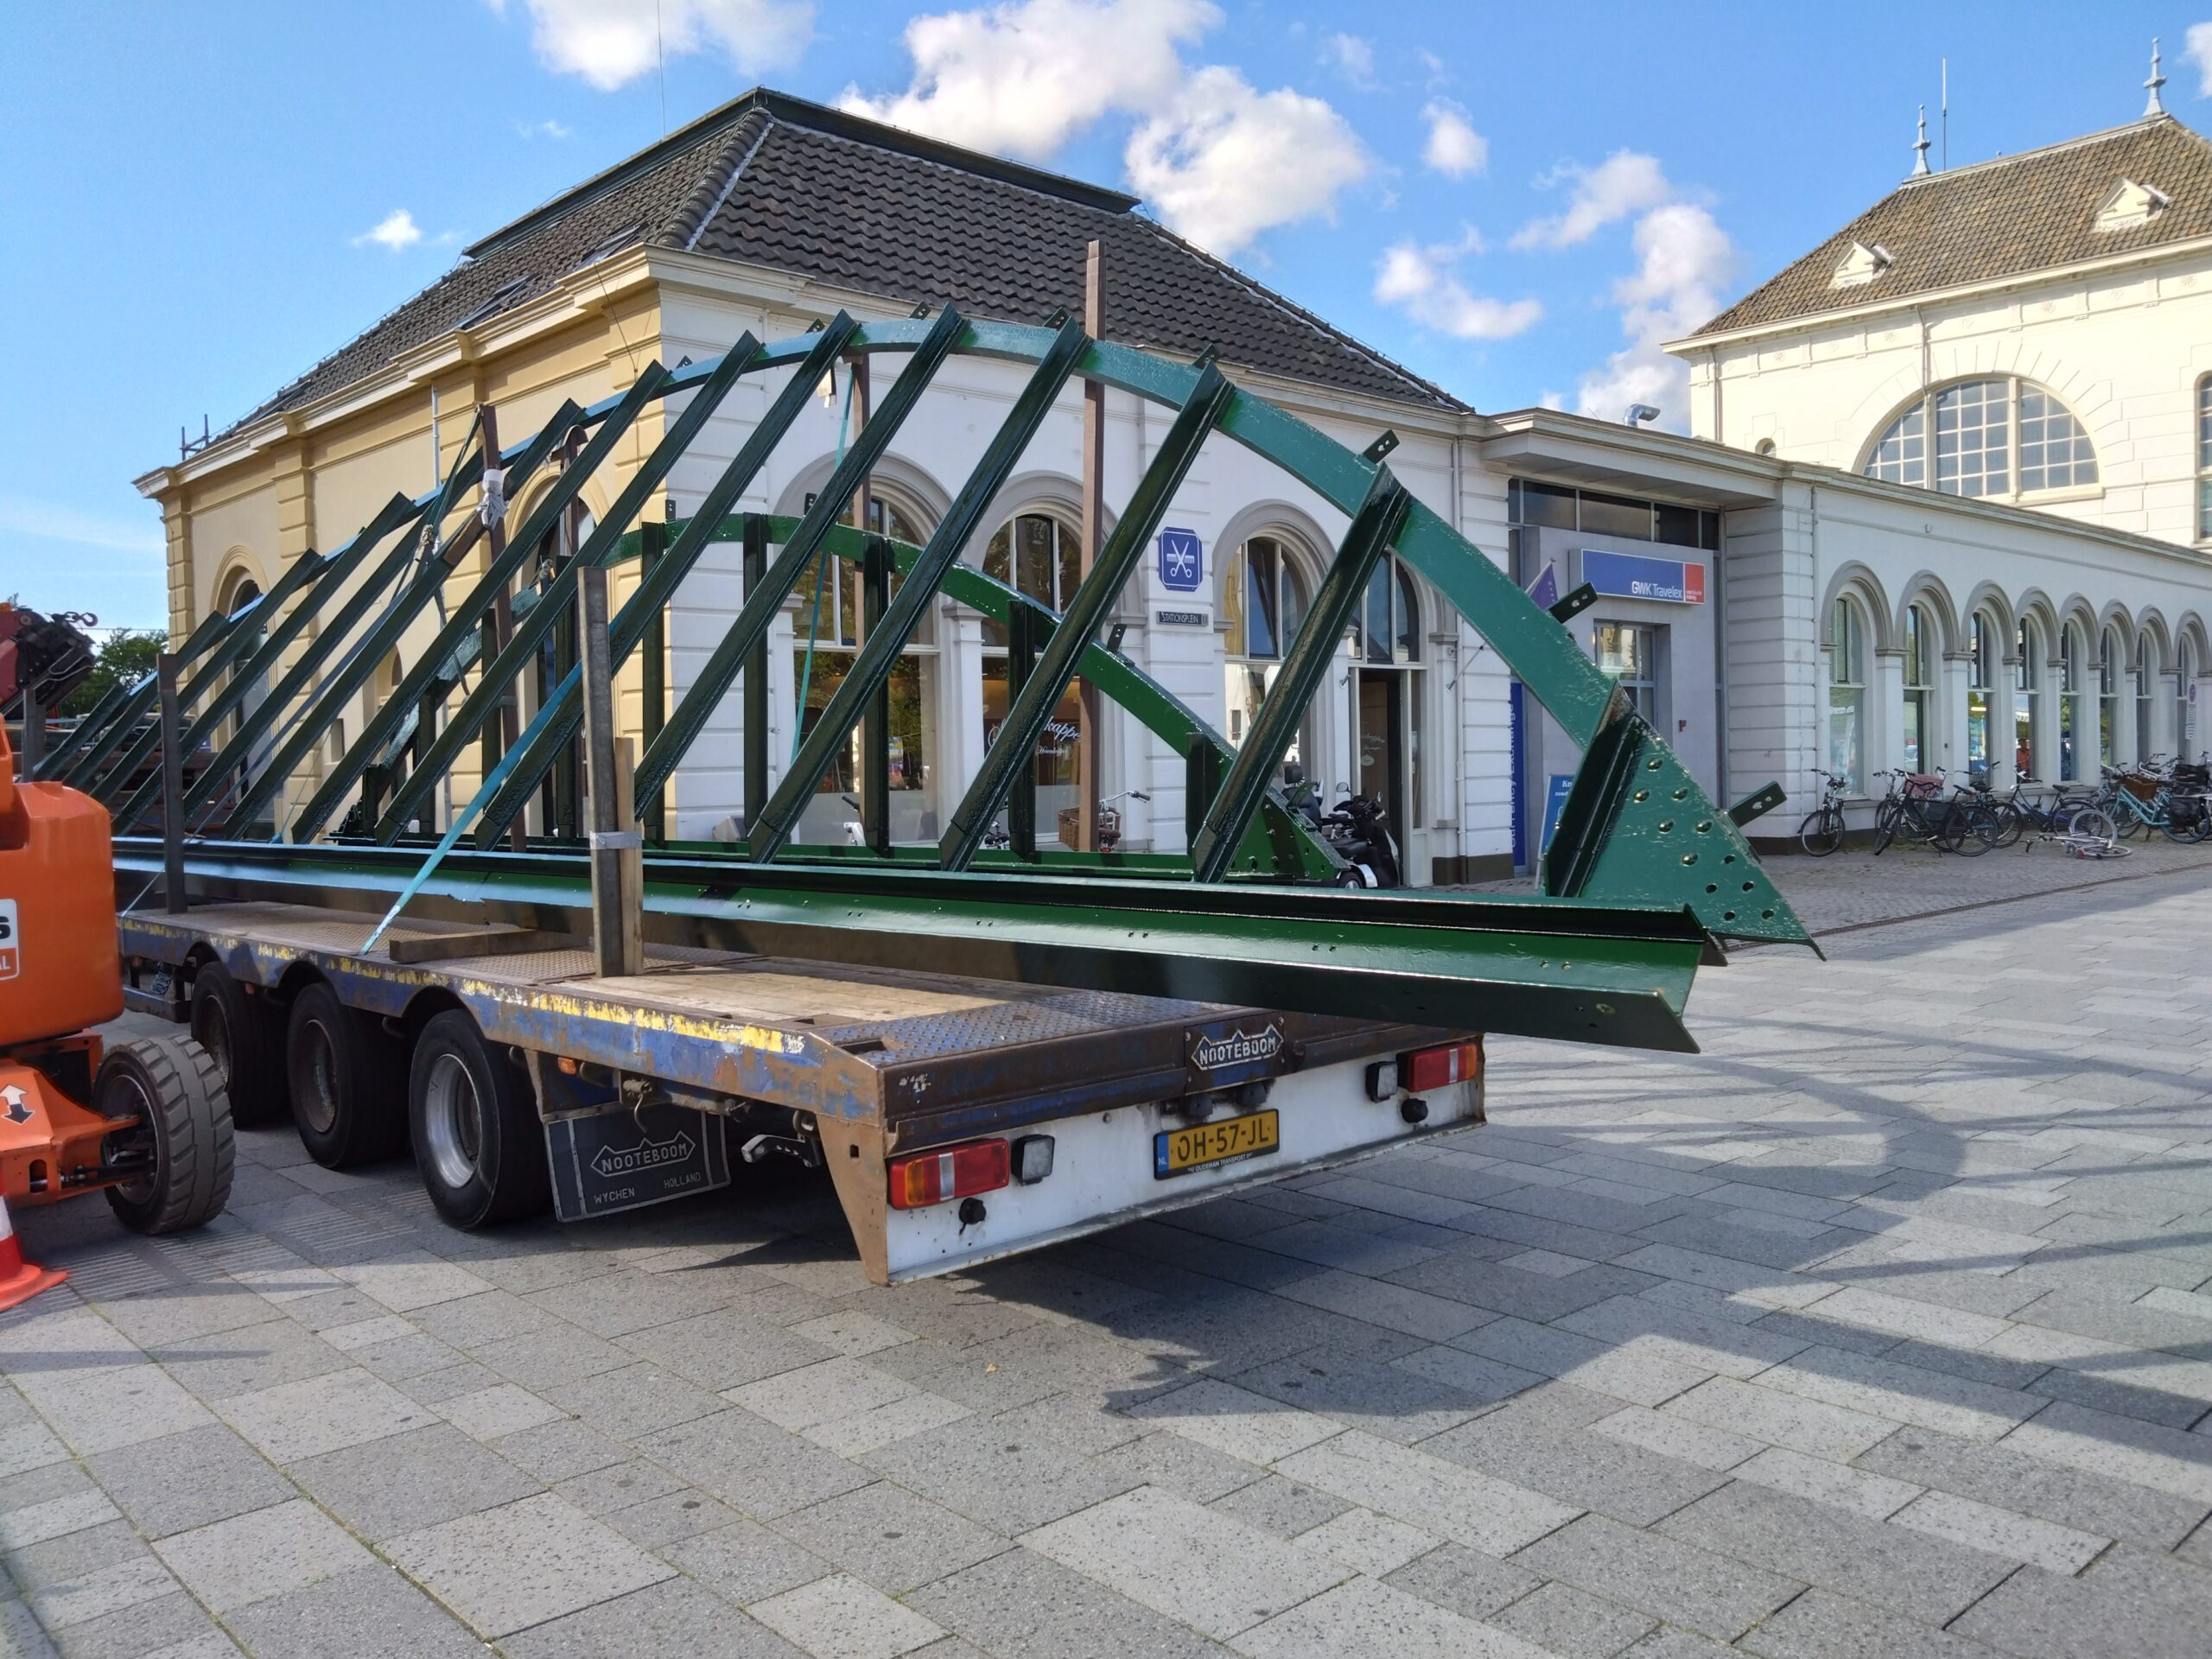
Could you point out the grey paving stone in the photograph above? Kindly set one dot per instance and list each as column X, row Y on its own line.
column 1387, row 1400
column 504, row 1570
column 2165, row 1459
column 2000, row 1532
column 322, row 1413
column 546, row 1359
column 745, row 1562
column 2012, row 1478
column 751, row 1465
column 1193, row 1564
column 1588, row 1470
column 619, row 1485
column 1660, row 1575
column 725, row 1348
column 841, row 1616
column 1908, row 1394
column 1566, row 1621
column 1438, row 1496
column 634, row 1400
column 250, row 1557
column 370, row 1612
column 671, row 1518
column 1466, row 1580
column 615, row 1304
column 1198, row 1472
column 1022, row 1603
column 2130, row 1605
column 1258, row 1425
column 1923, row 1577
column 1820, row 1624
column 1364, row 1617
column 1779, row 1418
column 97, row 1410
column 889, row 1537
column 559, row 1450
column 258, row 1356
column 673, row 1616
column 1280, row 1506
column 1009, row 1482
column 143, row 1628
column 406, row 1482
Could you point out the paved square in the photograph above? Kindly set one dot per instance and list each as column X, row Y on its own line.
column 1884, row 1326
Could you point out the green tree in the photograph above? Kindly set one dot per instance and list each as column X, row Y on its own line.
column 125, row 657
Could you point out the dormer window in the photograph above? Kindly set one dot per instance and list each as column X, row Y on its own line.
column 1862, row 265
column 501, row 297
column 612, row 245
column 2130, row 205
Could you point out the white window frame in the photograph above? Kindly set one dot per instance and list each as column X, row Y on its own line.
column 1924, row 405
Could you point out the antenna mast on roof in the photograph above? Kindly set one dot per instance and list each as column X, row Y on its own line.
column 2155, row 105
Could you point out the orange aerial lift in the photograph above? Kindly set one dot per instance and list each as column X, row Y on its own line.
column 146, row 1121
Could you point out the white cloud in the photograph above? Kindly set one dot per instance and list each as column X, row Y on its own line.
column 396, row 231
column 1453, row 146
column 1685, row 261
column 612, row 43
column 1351, row 57
column 24, row 515
column 541, row 130
column 1021, row 79
column 2198, row 50
column 1421, row 282
column 1624, row 183
column 1223, row 162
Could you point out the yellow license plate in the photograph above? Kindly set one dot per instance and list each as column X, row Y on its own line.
column 1178, row 1151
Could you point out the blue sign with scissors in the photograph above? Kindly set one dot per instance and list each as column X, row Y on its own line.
column 1182, row 560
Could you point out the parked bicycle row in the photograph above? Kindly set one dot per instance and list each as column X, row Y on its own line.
column 1963, row 814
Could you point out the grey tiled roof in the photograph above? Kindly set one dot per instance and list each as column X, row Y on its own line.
column 776, row 181
column 2012, row 216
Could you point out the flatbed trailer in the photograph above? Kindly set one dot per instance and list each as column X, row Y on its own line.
column 960, row 1119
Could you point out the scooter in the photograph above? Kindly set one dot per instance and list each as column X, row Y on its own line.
column 1357, row 829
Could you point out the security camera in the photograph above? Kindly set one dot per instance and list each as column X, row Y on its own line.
column 1639, row 413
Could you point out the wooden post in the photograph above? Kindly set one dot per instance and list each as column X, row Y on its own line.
column 1087, row 780
column 172, row 734
column 617, row 856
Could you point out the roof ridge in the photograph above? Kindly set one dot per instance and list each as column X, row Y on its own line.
column 2082, row 141
column 683, row 231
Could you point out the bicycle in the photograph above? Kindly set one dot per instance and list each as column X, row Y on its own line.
column 1915, row 809
column 2088, row 832
column 1821, row 832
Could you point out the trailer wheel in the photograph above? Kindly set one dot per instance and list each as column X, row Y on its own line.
column 173, row 1087
column 346, row 1080
column 245, row 1036
column 478, row 1140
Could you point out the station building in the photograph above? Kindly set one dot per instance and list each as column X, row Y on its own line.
column 1811, row 580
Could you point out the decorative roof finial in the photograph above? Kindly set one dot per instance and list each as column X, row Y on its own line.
column 1920, row 168
column 2156, row 105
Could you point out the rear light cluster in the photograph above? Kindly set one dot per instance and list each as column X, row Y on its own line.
column 1436, row 1068
column 948, row 1173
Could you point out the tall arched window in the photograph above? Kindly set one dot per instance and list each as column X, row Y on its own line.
column 2147, row 678
column 2027, row 691
column 1982, row 683
column 1920, row 642
column 1386, row 700
column 1040, row 555
column 2112, row 667
column 2074, row 692
column 1848, row 694
column 1999, row 436
column 2205, row 458
column 1263, row 603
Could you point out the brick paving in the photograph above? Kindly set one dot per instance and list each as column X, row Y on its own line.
column 1885, row 1325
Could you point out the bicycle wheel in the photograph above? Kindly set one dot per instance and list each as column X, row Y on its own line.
column 2091, row 833
column 2128, row 824
column 1885, row 825
column 2009, row 823
column 1971, row 830
column 1822, row 832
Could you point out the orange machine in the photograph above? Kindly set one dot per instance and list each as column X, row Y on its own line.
column 146, row 1121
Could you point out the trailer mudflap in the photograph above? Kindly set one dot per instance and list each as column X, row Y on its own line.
column 624, row 1160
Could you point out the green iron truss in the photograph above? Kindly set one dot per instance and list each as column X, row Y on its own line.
column 262, row 690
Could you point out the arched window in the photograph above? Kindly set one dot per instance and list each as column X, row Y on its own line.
column 2205, row 458
column 1920, row 644
column 2147, row 678
column 826, row 628
column 1263, row 603
column 1040, row 555
column 1386, row 694
column 1848, row 694
column 2027, row 688
column 2073, row 717
column 1981, row 682
column 2000, row 436
column 2111, row 666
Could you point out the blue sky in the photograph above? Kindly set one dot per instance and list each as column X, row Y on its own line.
column 1517, row 201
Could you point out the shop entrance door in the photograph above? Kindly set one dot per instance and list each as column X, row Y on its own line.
column 1379, row 743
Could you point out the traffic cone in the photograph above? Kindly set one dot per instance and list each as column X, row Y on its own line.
column 20, row 1280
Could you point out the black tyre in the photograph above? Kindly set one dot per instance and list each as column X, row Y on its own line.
column 1885, row 825
column 174, row 1090
column 348, row 1082
column 1971, row 830
column 478, row 1140
column 244, row 1035
column 1822, row 832
column 2010, row 823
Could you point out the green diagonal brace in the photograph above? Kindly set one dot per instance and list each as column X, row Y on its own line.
column 1306, row 664
column 878, row 654
column 1009, row 752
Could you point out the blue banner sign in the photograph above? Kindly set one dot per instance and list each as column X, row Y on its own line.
column 1634, row 575
column 1554, row 804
